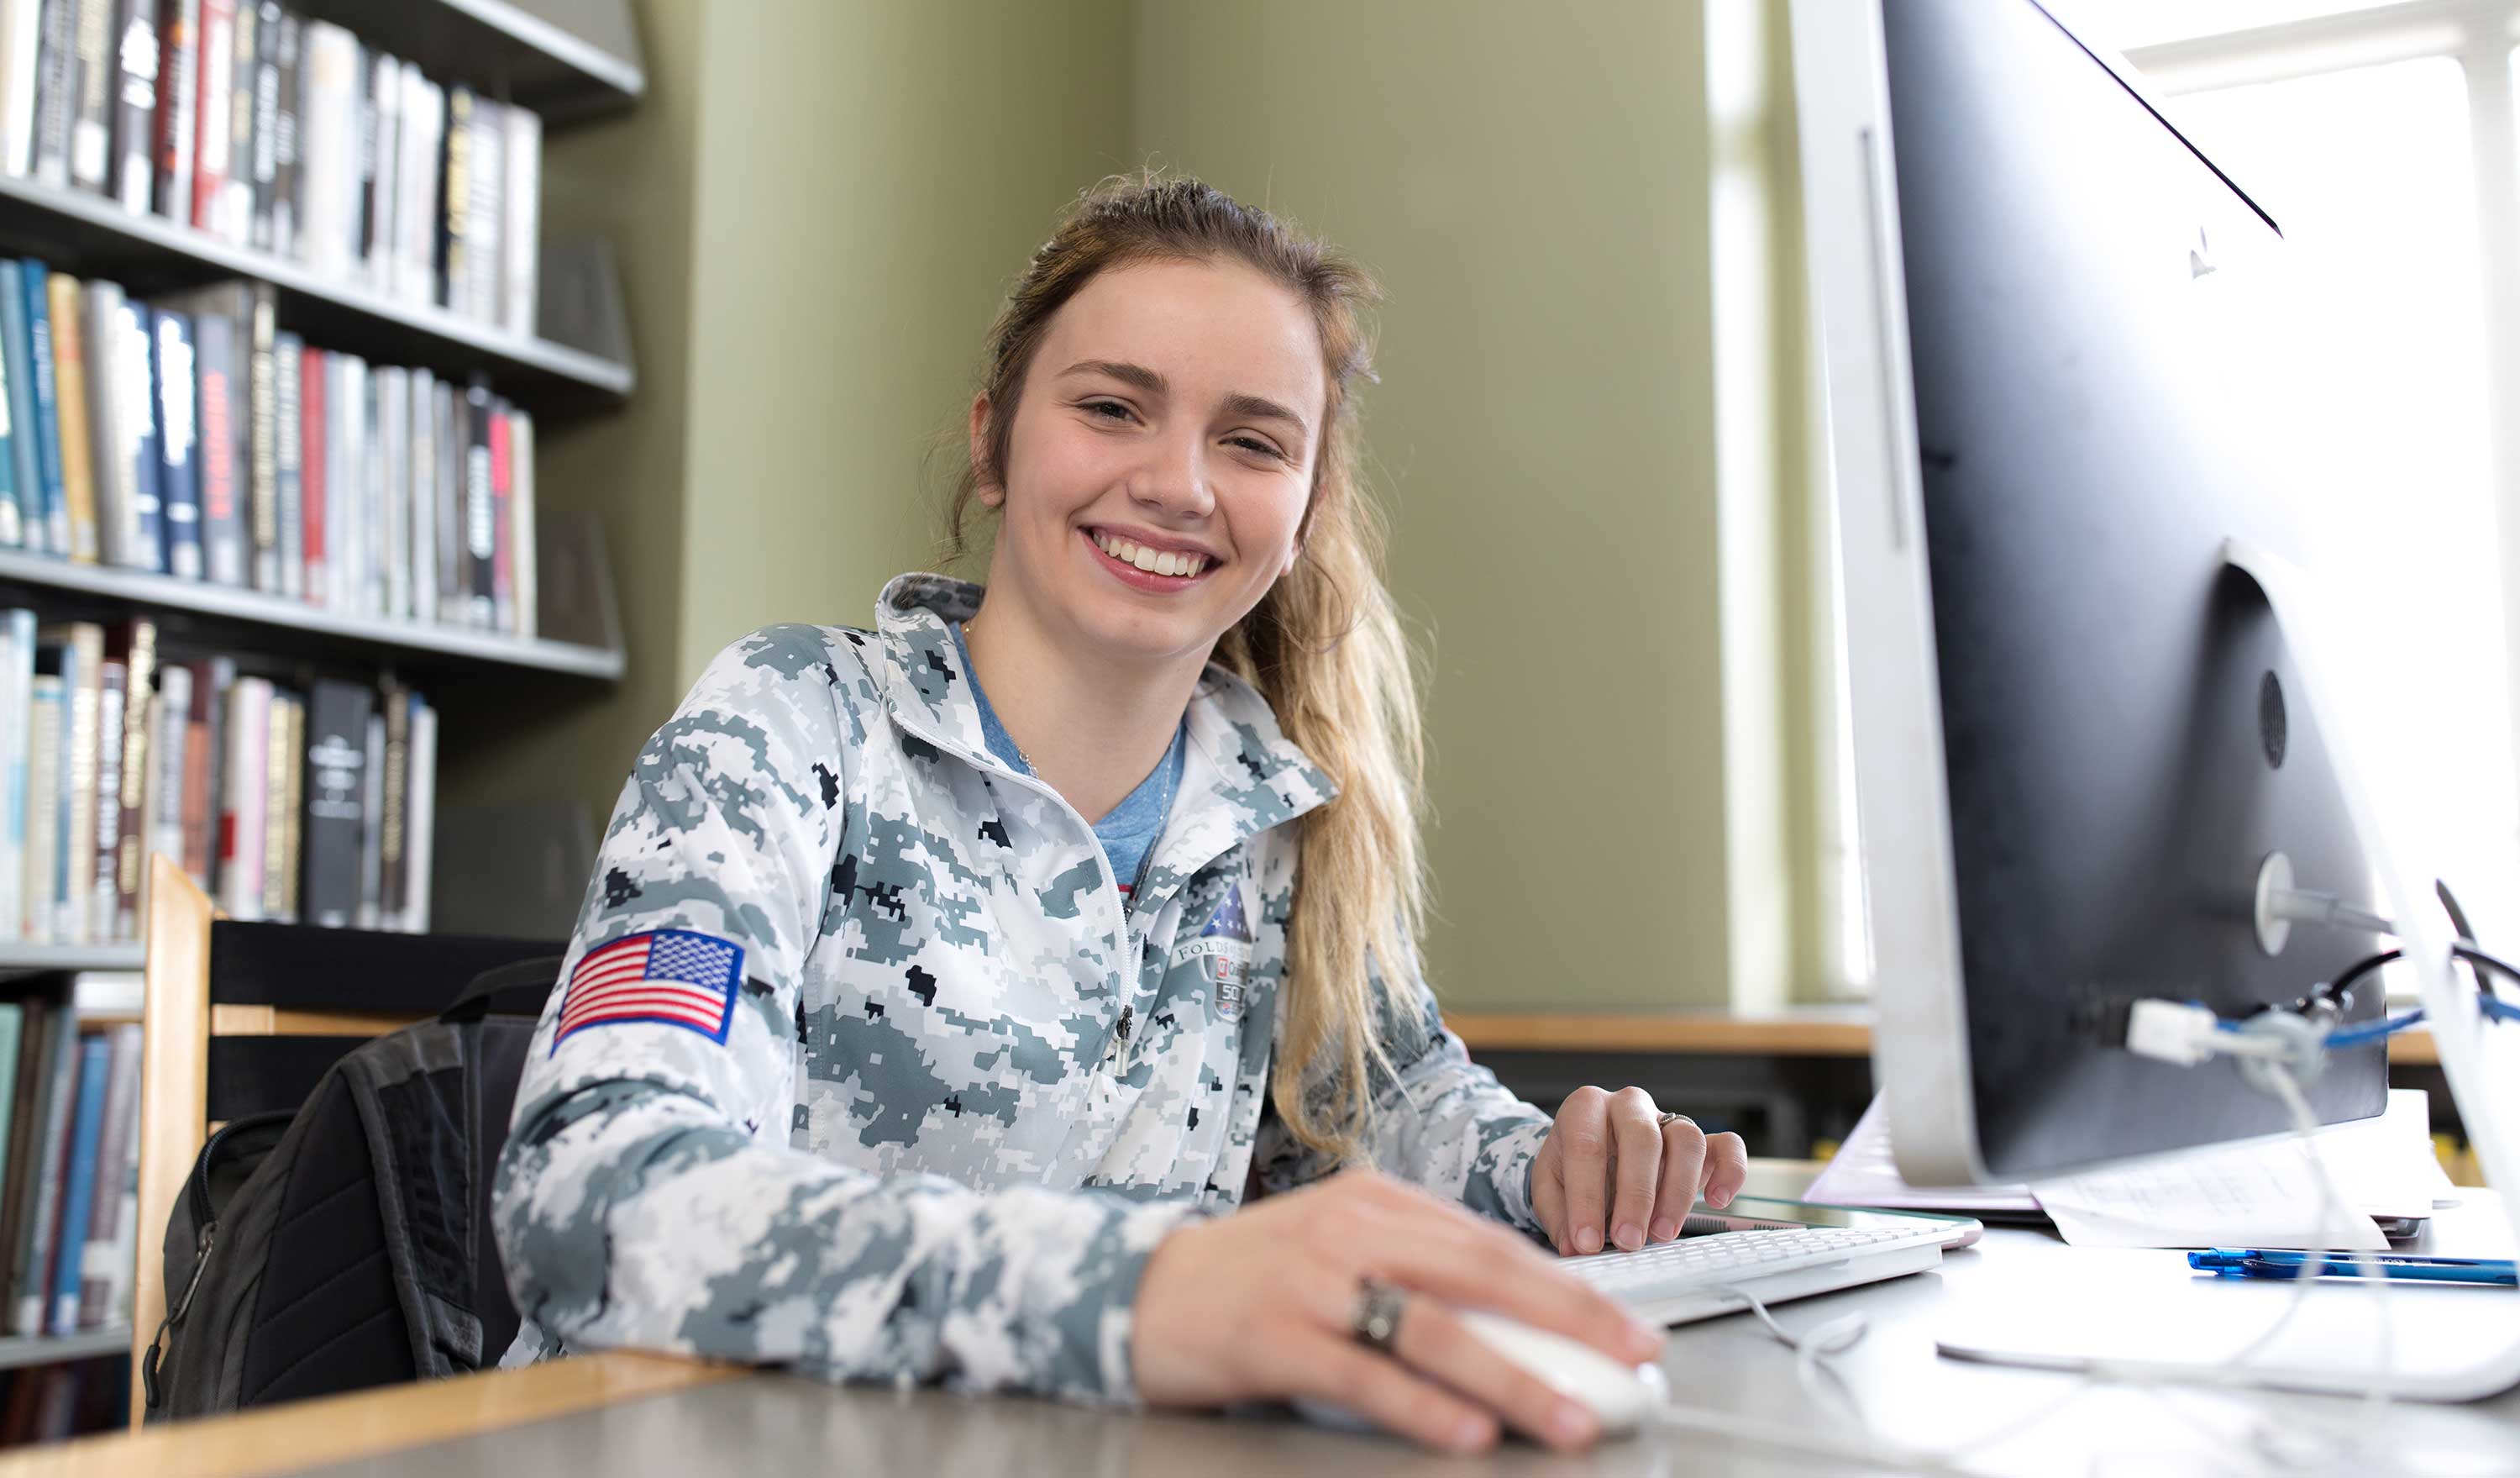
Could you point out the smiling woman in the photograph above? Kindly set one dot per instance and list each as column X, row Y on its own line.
column 1058, row 920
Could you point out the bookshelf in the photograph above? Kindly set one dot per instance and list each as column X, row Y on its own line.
column 47, row 1349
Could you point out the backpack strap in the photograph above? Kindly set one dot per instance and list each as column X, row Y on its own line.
column 514, row 990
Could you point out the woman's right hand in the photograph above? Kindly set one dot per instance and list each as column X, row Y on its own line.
column 1257, row 1307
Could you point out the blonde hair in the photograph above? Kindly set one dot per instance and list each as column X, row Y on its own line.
column 1323, row 646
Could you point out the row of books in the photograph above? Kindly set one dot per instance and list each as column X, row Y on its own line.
column 59, row 1399
column 266, row 129
column 313, row 804
column 69, row 1166
column 187, row 435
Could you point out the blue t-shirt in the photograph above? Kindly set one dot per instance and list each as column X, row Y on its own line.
column 1133, row 826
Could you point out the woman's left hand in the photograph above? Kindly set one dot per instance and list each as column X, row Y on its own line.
column 1610, row 1162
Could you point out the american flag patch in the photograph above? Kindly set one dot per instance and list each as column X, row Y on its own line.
column 671, row 976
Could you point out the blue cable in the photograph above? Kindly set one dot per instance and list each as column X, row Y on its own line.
column 2356, row 1037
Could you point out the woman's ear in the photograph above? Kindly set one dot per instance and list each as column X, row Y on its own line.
column 990, row 492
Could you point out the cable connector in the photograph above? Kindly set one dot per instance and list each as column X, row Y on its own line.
column 2171, row 1030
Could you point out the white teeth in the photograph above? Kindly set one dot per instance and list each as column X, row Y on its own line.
column 1196, row 563
column 1144, row 558
column 1153, row 562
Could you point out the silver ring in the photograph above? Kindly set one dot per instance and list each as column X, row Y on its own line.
column 1671, row 1119
column 1378, row 1307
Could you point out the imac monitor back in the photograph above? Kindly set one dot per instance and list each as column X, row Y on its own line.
column 2053, row 334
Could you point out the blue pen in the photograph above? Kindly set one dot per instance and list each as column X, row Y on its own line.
column 2256, row 1262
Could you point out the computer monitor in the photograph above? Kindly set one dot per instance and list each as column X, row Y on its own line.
column 2056, row 350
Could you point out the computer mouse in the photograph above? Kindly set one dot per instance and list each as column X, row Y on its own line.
column 1621, row 1397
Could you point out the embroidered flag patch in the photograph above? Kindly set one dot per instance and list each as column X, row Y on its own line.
column 671, row 976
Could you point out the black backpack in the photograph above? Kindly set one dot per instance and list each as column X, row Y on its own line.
column 347, row 1244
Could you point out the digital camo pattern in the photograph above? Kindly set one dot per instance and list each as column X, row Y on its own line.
column 962, row 1096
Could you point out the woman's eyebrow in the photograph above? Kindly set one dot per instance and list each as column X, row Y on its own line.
column 1257, row 407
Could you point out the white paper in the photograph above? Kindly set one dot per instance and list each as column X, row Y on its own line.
column 1865, row 1172
column 2261, row 1194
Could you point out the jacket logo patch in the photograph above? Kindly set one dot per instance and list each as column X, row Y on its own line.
column 669, row 977
column 1223, row 950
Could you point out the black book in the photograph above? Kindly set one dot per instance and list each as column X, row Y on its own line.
column 233, row 341
column 238, row 188
column 56, row 91
column 179, row 64
column 135, row 103
column 480, row 509
column 26, row 1129
column 336, row 819
column 266, row 119
column 92, row 111
column 284, row 210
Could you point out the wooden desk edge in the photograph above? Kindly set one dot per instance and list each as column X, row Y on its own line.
column 305, row 1434
column 1845, row 1035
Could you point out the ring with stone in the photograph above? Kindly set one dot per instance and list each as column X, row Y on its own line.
column 1378, row 1307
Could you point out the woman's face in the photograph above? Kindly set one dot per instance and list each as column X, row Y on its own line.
column 1161, row 456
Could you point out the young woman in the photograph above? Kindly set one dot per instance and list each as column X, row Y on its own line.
column 991, row 996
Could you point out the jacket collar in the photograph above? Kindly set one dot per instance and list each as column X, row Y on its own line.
column 1255, row 776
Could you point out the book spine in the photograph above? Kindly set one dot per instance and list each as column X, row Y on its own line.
column 92, row 119
column 47, row 397
column 287, row 138
column 214, row 83
column 178, row 446
column 423, row 130
column 481, row 523
column 422, row 482
column 484, row 229
column 420, row 817
column 384, row 106
column 104, row 1273
column 244, row 747
column 395, row 701
column 266, row 118
column 214, row 360
column 140, row 657
column 329, row 154
column 372, row 838
column 107, row 811
column 135, row 104
column 525, row 564
column 44, row 1179
column 447, row 420
column 56, row 92
column 80, row 783
column 25, row 458
column 288, row 450
column 17, row 691
column 179, row 67
column 13, row 1047
column 336, row 817
column 277, row 761
column 393, row 465
column 314, row 472
column 347, row 498
column 236, row 190
column 170, row 786
column 455, row 212
column 100, row 354
column 29, row 1095
column 503, row 592
column 521, row 231
column 43, row 806
column 21, row 42
column 15, row 441
column 264, row 498
column 293, row 808
column 136, row 450
column 72, row 389
column 70, row 1241
column 198, row 847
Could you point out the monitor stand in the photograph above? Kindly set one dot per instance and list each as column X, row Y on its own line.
column 2332, row 1347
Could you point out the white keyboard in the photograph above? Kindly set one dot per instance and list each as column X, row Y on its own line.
column 1667, row 1268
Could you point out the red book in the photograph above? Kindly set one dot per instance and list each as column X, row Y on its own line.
column 310, row 475
column 213, row 86
column 503, row 585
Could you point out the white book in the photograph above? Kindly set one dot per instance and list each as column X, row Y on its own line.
column 345, row 500
column 372, row 852
column 423, row 132
column 485, row 196
column 43, row 806
column 21, row 39
column 520, row 228
column 242, row 797
column 386, row 87
column 521, row 517
column 422, row 481
column 108, row 462
column 419, row 816
column 374, row 517
column 328, row 149
column 168, row 721
column 393, row 467
column 16, row 684
column 448, row 503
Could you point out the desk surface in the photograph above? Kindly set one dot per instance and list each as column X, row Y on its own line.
column 1843, row 1030
column 660, row 1417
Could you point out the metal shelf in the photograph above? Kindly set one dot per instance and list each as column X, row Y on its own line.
column 568, row 60
column 18, row 957
column 45, row 1349
column 271, row 612
column 92, row 236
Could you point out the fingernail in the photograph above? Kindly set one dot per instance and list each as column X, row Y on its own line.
column 1644, row 1342
column 1665, row 1229
column 1719, row 1199
column 1471, row 1434
column 1629, row 1237
column 1571, row 1425
column 1587, row 1239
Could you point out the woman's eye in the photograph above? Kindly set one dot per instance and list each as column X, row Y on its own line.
column 1120, row 412
column 1255, row 444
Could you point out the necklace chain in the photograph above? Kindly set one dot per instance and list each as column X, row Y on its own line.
column 967, row 623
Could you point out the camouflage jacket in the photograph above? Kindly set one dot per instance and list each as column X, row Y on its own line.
column 858, row 1065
